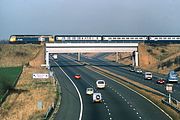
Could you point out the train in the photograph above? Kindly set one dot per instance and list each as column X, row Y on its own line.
column 34, row 39
column 92, row 38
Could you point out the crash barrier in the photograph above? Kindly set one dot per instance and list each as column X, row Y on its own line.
column 175, row 101
column 170, row 105
column 53, row 109
column 48, row 113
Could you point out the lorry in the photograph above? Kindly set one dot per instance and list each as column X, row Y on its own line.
column 172, row 77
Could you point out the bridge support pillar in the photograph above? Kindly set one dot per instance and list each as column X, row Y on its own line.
column 136, row 59
column 133, row 61
column 79, row 56
column 47, row 59
column 117, row 56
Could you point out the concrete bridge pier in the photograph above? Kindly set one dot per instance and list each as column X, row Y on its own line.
column 117, row 56
column 79, row 57
column 47, row 60
column 135, row 59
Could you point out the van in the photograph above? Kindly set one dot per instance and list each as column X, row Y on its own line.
column 100, row 84
column 148, row 76
column 97, row 97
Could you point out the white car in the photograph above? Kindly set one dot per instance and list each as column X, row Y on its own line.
column 100, row 84
column 148, row 76
column 97, row 97
column 55, row 56
column 138, row 70
column 89, row 91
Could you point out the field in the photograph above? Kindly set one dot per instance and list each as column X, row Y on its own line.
column 8, row 78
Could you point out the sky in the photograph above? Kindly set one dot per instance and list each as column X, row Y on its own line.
column 54, row 17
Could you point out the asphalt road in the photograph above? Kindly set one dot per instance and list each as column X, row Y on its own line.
column 70, row 104
column 118, row 101
column 124, row 71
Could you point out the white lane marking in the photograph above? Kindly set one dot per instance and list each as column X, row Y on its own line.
column 97, row 91
column 80, row 98
column 141, row 96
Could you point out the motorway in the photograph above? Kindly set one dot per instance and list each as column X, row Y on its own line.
column 118, row 103
column 124, row 71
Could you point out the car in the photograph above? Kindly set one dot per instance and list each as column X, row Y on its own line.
column 148, row 76
column 138, row 70
column 100, row 84
column 132, row 69
column 77, row 76
column 97, row 97
column 160, row 81
column 89, row 91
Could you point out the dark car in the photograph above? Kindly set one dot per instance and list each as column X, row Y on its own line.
column 160, row 81
column 77, row 76
column 132, row 69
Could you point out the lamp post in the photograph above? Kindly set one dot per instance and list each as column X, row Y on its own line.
column 169, row 89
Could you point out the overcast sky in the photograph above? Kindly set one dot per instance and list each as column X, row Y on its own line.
column 89, row 17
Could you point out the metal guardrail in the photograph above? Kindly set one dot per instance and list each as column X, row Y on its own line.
column 170, row 105
column 52, row 110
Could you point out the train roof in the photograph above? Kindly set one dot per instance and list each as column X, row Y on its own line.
column 78, row 35
column 30, row 35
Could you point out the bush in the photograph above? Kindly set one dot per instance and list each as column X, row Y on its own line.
column 169, row 63
column 163, row 51
column 149, row 50
column 21, row 54
column 177, row 60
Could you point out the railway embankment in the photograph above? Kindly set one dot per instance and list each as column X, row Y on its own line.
column 30, row 98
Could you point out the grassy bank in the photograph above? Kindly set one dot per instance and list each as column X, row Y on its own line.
column 8, row 78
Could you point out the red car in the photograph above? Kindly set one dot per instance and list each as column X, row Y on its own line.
column 77, row 76
column 160, row 81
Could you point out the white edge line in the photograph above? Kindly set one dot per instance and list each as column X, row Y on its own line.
column 140, row 95
column 80, row 98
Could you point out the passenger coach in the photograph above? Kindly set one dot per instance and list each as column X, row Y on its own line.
column 78, row 38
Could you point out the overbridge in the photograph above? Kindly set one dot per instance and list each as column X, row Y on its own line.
column 92, row 48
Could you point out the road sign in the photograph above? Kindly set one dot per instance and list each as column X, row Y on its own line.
column 169, row 88
column 40, row 75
